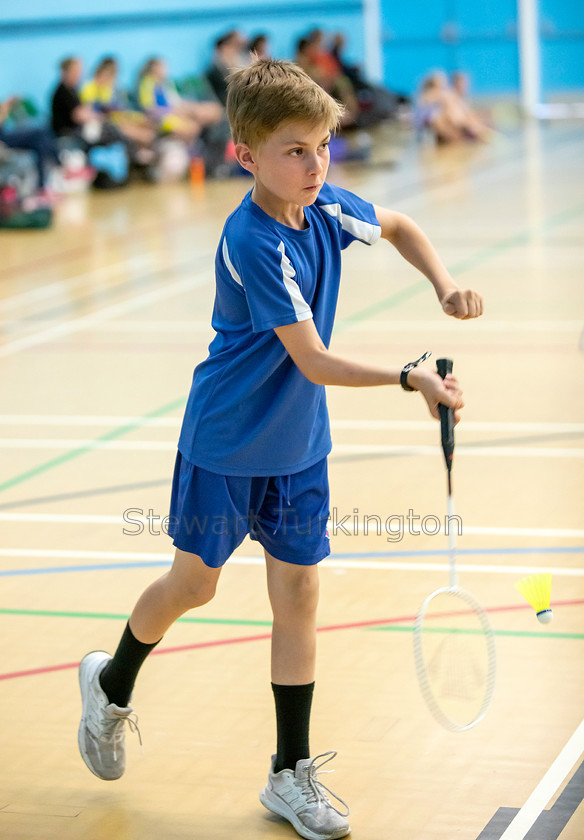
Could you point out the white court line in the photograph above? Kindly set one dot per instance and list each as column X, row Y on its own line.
column 370, row 530
column 32, row 295
column 149, row 326
column 462, row 450
column 62, row 443
column 107, row 420
column 191, row 325
column 74, row 325
column 495, row 531
column 65, row 287
column 467, row 425
column 103, row 272
column 201, row 325
column 544, row 791
column 328, row 563
column 480, row 326
column 339, row 448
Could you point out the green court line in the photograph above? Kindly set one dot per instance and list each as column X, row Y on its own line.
column 386, row 303
column 124, row 617
column 244, row 622
column 118, row 432
column 475, row 631
column 465, row 264
column 389, row 302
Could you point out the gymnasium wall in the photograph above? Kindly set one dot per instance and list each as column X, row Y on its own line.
column 35, row 35
column 562, row 44
column 477, row 37
column 480, row 37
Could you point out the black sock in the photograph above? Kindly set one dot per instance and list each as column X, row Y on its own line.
column 119, row 675
column 293, row 704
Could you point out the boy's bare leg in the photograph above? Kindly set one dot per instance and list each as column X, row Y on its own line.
column 293, row 592
column 188, row 584
column 292, row 780
column 107, row 682
column 445, row 129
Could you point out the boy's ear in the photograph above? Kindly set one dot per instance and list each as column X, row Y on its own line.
column 245, row 157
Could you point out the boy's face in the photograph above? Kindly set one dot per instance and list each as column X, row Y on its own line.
column 289, row 167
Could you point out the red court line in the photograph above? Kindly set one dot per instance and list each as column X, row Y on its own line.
column 235, row 640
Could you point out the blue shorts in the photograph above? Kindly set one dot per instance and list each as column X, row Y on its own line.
column 210, row 514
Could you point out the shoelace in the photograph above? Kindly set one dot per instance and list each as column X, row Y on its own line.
column 113, row 729
column 314, row 790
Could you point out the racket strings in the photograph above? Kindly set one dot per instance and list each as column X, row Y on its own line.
column 454, row 658
column 456, row 670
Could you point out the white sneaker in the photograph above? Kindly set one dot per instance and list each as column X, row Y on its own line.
column 101, row 731
column 301, row 798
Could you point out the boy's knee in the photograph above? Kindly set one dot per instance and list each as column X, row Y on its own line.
column 192, row 590
column 204, row 594
column 196, row 593
column 300, row 592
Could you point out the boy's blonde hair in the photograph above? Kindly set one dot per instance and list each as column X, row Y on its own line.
column 268, row 94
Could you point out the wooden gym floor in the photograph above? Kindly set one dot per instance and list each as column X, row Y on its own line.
column 102, row 320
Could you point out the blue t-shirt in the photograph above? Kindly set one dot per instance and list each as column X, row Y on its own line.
column 251, row 411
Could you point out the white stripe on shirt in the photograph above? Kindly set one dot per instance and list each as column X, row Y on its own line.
column 229, row 264
column 301, row 308
column 365, row 231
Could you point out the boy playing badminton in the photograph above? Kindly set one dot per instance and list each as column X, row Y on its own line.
column 255, row 435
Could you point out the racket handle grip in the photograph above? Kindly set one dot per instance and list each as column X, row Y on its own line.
column 444, row 366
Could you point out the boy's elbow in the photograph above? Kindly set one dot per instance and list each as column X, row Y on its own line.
column 313, row 374
column 316, row 379
column 313, row 367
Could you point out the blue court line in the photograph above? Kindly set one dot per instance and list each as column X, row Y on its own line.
column 94, row 567
column 141, row 564
column 443, row 552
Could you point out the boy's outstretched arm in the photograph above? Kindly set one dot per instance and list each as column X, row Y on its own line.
column 322, row 367
column 413, row 244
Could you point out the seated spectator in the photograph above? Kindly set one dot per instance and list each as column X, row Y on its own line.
column 38, row 140
column 229, row 55
column 323, row 58
column 159, row 99
column 101, row 95
column 460, row 84
column 326, row 72
column 71, row 118
column 259, row 48
column 68, row 115
column 441, row 110
column 82, row 129
column 379, row 102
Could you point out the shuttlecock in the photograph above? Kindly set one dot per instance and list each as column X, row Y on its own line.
column 536, row 589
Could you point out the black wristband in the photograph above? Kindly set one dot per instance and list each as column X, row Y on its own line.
column 407, row 368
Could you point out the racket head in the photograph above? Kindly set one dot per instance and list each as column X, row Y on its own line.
column 454, row 653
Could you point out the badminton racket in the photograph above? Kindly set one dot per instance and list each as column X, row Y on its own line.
column 454, row 647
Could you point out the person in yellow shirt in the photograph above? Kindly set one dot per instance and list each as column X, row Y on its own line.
column 159, row 99
column 101, row 94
